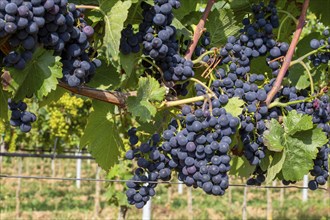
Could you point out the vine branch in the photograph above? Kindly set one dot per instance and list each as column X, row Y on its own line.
column 199, row 30
column 289, row 55
column 116, row 98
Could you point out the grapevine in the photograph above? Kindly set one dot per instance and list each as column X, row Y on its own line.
column 196, row 105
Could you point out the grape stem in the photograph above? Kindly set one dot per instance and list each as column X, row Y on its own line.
column 277, row 103
column 92, row 7
column 289, row 55
column 199, row 30
column 288, row 14
column 200, row 58
column 309, row 76
column 281, row 26
column 186, row 101
column 205, row 86
column 116, row 98
column 300, row 59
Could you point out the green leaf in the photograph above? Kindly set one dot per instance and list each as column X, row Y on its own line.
column 186, row 8
column 275, row 166
column 149, row 90
column 129, row 61
column 3, row 103
column 106, row 77
column 115, row 16
column 141, row 108
column 295, row 122
column 303, row 46
column 312, row 139
column 265, row 162
column 298, row 77
column 53, row 96
column 241, row 167
column 321, row 10
column 299, row 140
column 300, row 150
column 299, row 159
column 39, row 77
column 181, row 29
column 258, row 65
column 234, row 106
column 221, row 24
column 273, row 136
column 159, row 122
column 101, row 135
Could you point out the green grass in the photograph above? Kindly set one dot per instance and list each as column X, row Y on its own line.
column 44, row 199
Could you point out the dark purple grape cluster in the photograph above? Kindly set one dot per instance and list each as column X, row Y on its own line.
column 152, row 166
column 130, row 41
column 321, row 168
column 198, row 150
column 54, row 24
column 20, row 117
column 258, row 177
column 324, row 56
column 159, row 40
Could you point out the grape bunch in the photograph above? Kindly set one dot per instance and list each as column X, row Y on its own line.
column 199, row 153
column 322, row 57
column 130, row 41
column 152, row 166
column 20, row 117
column 320, row 170
column 200, row 150
column 55, row 25
column 159, row 40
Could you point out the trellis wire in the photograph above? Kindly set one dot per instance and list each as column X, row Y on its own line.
column 137, row 181
column 51, row 156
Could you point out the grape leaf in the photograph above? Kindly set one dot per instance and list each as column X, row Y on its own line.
column 106, row 77
column 275, row 166
column 266, row 161
column 298, row 77
column 259, row 66
column 3, row 104
column 299, row 140
column 186, row 8
column 234, row 106
column 273, row 136
column 39, row 77
column 303, row 46
column 159, row 122
column 148, row 91
column 321, row 10
column 221, row 24
column 240, row 166
column 295, row 122
column 101, row 135
column 128, row 62
column 116, row 14
column 181, row 29
column 53, row 96
column 300, row 151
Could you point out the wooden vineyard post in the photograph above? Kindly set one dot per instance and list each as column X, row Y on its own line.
column 146, row 212
column 244, row 214
column 78, row 170
column 18, row 188
column 97, row 206
column 190, row 204
column 305, row 191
